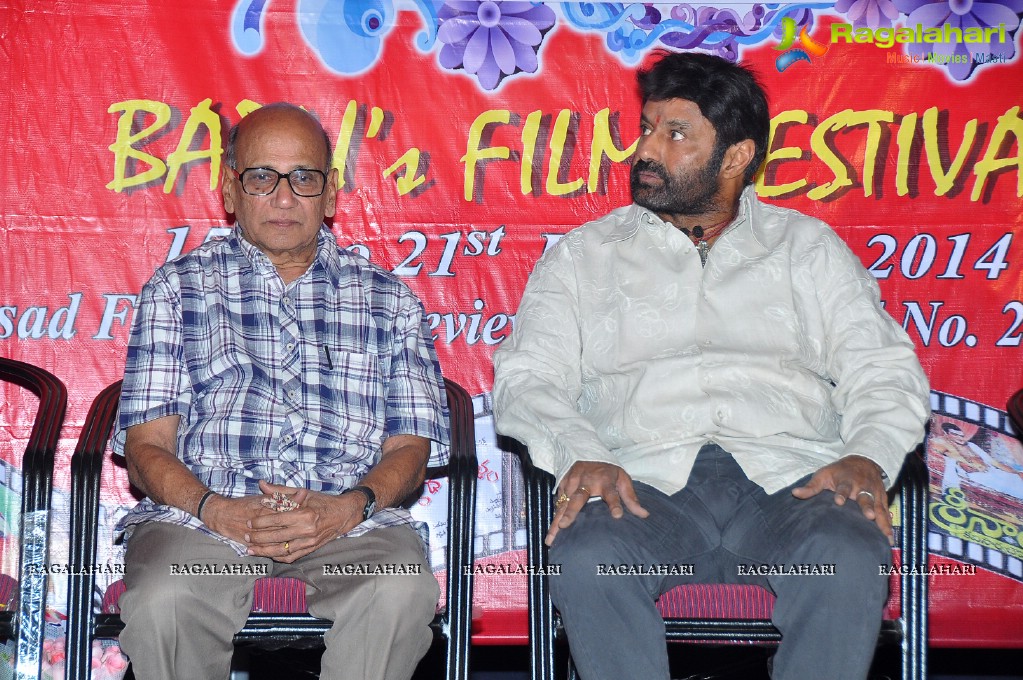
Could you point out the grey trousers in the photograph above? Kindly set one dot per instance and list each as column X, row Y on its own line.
column 725, row 527
column 180, row 626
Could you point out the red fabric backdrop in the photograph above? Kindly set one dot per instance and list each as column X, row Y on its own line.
column 111, row 129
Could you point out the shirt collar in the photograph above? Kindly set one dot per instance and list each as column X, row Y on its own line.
column 636, row 215
column 327, row 252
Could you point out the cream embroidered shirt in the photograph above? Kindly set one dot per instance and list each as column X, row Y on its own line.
column 626, row 350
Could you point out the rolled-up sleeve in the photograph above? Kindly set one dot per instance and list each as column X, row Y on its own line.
column 156, row 381
column 416, row 400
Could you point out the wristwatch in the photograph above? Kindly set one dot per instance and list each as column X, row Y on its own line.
column 371, row 500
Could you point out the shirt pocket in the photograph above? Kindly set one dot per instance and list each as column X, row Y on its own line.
column 351, row 396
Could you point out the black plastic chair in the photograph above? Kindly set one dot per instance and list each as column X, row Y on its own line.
column 273, row 630
column 25, row 622
column 909, row 630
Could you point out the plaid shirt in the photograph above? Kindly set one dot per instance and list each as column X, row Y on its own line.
column 296, row 384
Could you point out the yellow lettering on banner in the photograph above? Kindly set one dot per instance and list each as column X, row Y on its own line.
column 247, row 106
column 819, row 145
column 344, row 141
column 945, row 181
column 845, row 119
column 376, row 121
column 604, row 146
column 559, row 136
column 409, row 180
column 784, row 153
column 872, row 119
column 123, row 146
column 200, row 115
column 904, row 143
column 1008, row 123
column 530, row 131
column 474, row 153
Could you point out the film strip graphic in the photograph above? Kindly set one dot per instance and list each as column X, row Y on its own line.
column 973, row 524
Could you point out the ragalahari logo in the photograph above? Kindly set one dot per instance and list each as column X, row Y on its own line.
column 791, row 56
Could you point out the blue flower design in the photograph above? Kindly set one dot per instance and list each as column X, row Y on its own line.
column 963, row 14
column 869, row 13
column 492, row 40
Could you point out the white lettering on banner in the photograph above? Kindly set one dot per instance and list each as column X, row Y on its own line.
column 922, row 252
column 36, row 322
column 456, row 244
column 549, row 241
column 951, row 331
column 471, row 327
column 180, row 234
column 116, row 309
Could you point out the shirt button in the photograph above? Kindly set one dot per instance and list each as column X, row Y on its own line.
column 287, row 301
column 286, row 439
column 290, row 346
column 292, row 394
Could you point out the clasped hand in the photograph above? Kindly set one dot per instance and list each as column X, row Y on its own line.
column 284, row 536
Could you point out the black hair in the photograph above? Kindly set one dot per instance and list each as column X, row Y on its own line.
column 728, row 94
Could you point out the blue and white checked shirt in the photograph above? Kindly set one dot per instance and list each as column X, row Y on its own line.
column 296, row 384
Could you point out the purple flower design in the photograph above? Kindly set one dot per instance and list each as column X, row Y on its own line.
column 492, row 39
column 963, row 14
column 869, row 13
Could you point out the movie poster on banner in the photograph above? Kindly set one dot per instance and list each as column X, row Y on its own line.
column 469, row 137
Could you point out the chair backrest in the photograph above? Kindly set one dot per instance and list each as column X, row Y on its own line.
column 86, row 465
column 37, row 477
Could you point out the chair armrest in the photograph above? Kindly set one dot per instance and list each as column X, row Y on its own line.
column 37, row 481
column 913, row 484
column 86, row 471
column 461, row 472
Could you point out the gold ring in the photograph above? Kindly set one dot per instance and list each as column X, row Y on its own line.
column 866, row 493
column 287, row 549
column 562, row 499
column 584, row 490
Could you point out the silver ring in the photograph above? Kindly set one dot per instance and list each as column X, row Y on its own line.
column 866, row 493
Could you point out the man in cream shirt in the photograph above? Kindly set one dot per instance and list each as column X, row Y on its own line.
column 718, row 376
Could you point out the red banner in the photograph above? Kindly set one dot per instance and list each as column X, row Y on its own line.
column 469, row 137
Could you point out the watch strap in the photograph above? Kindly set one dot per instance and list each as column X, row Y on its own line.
column 371, row 500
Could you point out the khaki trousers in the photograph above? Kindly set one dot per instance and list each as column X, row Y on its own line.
column 179, row 626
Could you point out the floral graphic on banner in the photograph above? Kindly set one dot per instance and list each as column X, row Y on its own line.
column 963, row 57
column 494, row 40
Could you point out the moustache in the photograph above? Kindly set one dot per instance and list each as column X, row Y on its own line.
column 650, row 166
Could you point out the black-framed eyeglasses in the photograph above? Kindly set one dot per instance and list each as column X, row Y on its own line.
column 304, row 182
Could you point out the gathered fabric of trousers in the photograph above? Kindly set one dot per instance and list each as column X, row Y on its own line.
column 181, row 626
column 724, row 529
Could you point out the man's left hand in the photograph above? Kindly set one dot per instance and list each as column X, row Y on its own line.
column 318, row 519
column 857, row 478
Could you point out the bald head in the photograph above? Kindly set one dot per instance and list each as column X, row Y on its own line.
column 270, row 117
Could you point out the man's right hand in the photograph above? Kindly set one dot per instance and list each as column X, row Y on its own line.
column 229, row 516
column 587, row 480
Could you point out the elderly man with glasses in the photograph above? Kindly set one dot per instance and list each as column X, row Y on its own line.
column 281, row 399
